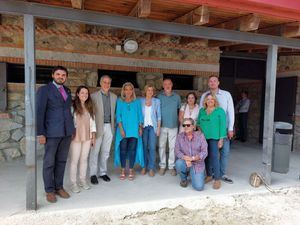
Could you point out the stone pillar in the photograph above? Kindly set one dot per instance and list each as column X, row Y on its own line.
column 144, row 78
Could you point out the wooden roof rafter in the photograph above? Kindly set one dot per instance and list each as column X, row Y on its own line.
column 198, row 16
column 77, row 4
column 245, row 23
column 142, row 9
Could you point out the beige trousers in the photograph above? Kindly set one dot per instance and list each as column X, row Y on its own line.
column 79, row 153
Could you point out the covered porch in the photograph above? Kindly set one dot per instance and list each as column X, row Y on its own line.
column 244, row 159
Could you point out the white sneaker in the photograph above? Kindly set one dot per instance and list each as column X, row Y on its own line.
column 84, row 185
column 75, row 188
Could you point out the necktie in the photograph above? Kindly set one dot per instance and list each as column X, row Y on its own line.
column 63, row 93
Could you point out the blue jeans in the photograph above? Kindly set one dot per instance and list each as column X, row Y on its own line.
column 149, row 145
column 54, row 163
column 197, row 178
column 224, row 156
column 212, row 162
column 128, row 150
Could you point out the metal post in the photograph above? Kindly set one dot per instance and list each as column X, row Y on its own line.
column 269, row 112
column 30, row 112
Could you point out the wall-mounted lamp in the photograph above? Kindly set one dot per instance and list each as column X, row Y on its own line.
column 130, row 45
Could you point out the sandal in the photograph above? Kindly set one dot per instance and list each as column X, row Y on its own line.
column 131, row 174
column 122, row 175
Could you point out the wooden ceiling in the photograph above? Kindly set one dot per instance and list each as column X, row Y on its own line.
column 276, row 21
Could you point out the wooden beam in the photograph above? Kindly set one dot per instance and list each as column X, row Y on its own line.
column 77, row 4
column 142, row 9
column 245, row 23
column 194, row 41
column 291, row 30
column 213, row 43
column 244, row 47
column 198, row 16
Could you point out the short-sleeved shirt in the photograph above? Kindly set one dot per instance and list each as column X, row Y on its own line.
column 169, row 109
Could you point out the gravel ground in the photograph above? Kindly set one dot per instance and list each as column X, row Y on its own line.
column 281, row 207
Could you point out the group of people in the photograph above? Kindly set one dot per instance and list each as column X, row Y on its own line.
column 88, row 124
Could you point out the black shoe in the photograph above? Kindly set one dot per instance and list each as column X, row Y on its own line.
column 184, row 183
column 227, row 180
column 105, row 178
column 94, row 179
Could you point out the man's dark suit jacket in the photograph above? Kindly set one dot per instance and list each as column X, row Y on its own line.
column 54, row 117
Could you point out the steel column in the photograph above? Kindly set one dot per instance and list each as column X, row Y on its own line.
column 269, row 112
column 30, row 113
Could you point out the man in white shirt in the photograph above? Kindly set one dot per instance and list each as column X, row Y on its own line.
column 225, row 101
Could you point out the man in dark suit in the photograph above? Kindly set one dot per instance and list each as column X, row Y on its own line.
column 54, row 129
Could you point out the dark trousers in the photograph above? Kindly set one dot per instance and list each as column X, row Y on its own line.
column 243, row 121
column 56, row 154
column 128, row 150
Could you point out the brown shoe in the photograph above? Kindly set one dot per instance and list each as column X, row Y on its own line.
column 162, row 171
column 217, row 184
column 50, row 196
column 151, row 173
column 208, row 179
column 173, row 172
column 62, row 193
column 184, row 183
column 143, row 171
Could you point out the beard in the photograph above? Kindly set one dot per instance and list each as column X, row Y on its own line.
column 59, row 81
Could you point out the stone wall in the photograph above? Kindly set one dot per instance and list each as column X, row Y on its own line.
column 84, row 49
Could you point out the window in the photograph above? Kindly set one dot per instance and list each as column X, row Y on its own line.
column 181, row 82
column 118, row 77
column 16, row 73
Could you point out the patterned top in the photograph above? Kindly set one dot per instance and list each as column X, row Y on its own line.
column 196, row 146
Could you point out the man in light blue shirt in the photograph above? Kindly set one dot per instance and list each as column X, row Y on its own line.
column 170, row 104
column 225, row 101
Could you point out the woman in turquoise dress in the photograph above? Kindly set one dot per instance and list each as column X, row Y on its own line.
column 128, row 143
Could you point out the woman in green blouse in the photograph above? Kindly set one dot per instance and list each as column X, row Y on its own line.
column 212, row 122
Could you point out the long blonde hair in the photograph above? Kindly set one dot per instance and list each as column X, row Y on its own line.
column 205, row 100
column 127, row 84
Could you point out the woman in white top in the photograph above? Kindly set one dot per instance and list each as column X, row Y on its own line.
column 151, row 128
column 190, row 109
column 83, row 139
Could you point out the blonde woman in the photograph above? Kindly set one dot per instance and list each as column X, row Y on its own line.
column 128, row 143
column 212, row 121
column 151, row 128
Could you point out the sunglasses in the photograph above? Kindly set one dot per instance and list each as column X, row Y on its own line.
column 186, row 125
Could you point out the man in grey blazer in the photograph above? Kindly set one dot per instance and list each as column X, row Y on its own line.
column 104, row 102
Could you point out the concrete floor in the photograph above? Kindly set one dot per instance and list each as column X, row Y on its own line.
column 245, row 159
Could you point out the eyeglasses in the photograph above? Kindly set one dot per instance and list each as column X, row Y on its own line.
column 186, row 125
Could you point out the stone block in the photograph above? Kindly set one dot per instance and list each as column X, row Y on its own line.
column 19, row 119
column 17, row 135
column 7, row 125
column 2, row 158
column 21, row 113
column 92, row 79
column 11, row 153
column 8, row 145
column 4, row 136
